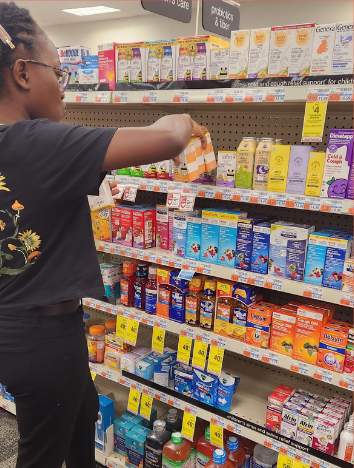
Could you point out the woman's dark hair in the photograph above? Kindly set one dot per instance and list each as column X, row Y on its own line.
column 21, row 27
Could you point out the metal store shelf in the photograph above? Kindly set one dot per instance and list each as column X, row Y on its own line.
column 266, row 356
column 248, row 411
column 165, row 257
column 225, row 96
column 285, row 200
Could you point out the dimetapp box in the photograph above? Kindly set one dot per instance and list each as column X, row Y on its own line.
column 342, row 62
column 322, row 51
column 315, row 174
column 258, row 53
column 298, row 166
column 239, row 52
column 107, row 64
column 309, row 323
column 278, row 168
column 337, row 165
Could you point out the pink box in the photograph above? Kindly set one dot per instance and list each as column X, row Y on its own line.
column 144, row 228
column 325, row 433
column 276, row 401
column 107, row 64
column 126, row 225
column 116, row 228
column 170, row 228
column 162, row 225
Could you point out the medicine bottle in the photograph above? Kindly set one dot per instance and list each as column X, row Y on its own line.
column 151, row 292
column 127, row 284
column 96, row 343
column 110, row 326
column 193, row 299
column 139, row 285
column 207, row 305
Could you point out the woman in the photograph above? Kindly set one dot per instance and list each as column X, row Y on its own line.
column 47, row 255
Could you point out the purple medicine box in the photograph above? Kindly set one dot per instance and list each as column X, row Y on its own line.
column 350, row 188
column 337, row 164
column 298, row 163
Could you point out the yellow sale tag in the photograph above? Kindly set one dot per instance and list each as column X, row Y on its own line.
column 315, row 116
column 184, row 349
column 216, row 435
column 134, row 400
column 121, row 330
column 188, row 426
column 93, row 375
column 158, row 339
column 199, row 354
column 132, row 331
column 216, row 357
column 146, row 406
column 284, row 461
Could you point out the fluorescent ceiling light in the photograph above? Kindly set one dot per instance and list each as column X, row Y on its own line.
column 97, row 10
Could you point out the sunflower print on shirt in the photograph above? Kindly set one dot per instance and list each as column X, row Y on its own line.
column 19, row 249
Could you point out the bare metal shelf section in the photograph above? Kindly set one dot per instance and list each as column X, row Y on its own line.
column 344, row 381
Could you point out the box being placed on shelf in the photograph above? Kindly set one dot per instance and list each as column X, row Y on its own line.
column 161, row 60
column 322, row 51
column 288, row 247
column 104, row 199
column 338, row 161
column 342, row 63
column 107, row 64
column 258, row 53
column 239, row 54
column 130, row 62
column 101, row 224
column 291, row 50
column 104, row 440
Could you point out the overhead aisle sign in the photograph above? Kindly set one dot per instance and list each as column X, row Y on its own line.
column 220, row 17
column 179, row 10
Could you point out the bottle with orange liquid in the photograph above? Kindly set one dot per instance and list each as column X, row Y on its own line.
column 235, row 452
column 176, row 453
column 219, row 460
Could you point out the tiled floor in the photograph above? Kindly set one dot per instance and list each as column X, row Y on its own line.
column 8, row 440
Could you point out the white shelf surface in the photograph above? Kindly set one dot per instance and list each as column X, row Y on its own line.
column 226, row 96
column 7, row 405
column 284, row 200
column 248, row 409
column 165, row 257
column 344, row 381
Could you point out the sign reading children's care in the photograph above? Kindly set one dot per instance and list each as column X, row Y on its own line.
column 180, row 10
column 220, row 17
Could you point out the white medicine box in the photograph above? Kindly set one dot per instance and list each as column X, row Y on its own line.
column 322, row 52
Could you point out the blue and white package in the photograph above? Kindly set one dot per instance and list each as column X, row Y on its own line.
column 287, row 251
column 104, row 424
column 260, row 248
column 135, row 447
column 183, row 379
column 227, row 386
column 210, row 236
column 177, row 308
column 121, row 427
column 315, row 258
column 71, row 59
column 145, row 368
column 227, row 237
column 205, row 387
column 244, row 241
column 339, row 249
column 180, row 231
column 88, row 73
column 194, row 238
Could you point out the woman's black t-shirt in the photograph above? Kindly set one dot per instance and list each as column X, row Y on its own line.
column 47, row 251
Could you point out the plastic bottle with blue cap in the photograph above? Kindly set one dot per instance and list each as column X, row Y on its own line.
column 219, row 460
column 235, row 452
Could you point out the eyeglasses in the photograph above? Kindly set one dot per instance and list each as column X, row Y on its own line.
column 63, row 76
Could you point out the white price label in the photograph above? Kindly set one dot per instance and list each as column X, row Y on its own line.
column 275, row 95
column 150, row 185
column 187, row 202
column 262, row 198
column 312, row 203
column 149, row 96
column 233, row 427
column 252, row 352
column 336, row 206
column 280, row 199
column 234, row 95
column 270, row 357
column 347, row 381
column 295, row 201
column 215, row 96
column 173, row 200
column 81, row 97
column 260, row 281
column 324, row 375
column 209, row 191
column 312, row 292
column 277, row 284
column 243, row 276
column 341, row 94
column 318, row 94
column 245, row 196
column 120, row 97
column 253, row 95
column 346, row 299
column 299, row 367
column 103, row 98
column 130, row 194
column 180, row 96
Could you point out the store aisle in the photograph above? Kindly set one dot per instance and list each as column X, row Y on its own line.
column 8, row 440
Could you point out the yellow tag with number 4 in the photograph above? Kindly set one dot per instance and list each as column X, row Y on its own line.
column 199, row 354
column 132, row 331
column 284, row 461
column 134, row 400
column 188, row 426
column 216, row 357
column 146, row 406
column 184, row 349
column 158, row 339
column 216, row 435
column 121, row 331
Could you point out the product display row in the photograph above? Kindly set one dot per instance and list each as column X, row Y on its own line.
column 229, row 238
column 264, row 164
column 295, row 50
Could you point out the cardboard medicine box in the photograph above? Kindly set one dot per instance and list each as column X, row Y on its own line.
column 239, row 54
column 322, row 52
column 107, row 64
column 161, row 60
column 130, row 62
column 259, row 53
column 342, row 62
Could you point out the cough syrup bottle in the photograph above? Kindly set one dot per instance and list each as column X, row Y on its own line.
column 248, row 446
column 207, row 305
column 198, row 433
column 235, row 452
column 151, row 292
column 173, row 422
column 205, row 449
column 140, row 285
column 219, row 460
column 155, row 441
column 127, row 284
column 193, row 299
column 177, row 452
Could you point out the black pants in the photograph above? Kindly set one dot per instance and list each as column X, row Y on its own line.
column 44, row 364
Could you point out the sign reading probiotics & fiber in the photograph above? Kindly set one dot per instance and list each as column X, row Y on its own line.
column 220, row 17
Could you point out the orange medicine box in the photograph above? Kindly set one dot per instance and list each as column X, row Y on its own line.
column 283, row 330
column 259, row 321
column 309, row 322
column 163, row 275
column 333, row 342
